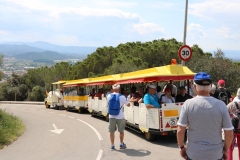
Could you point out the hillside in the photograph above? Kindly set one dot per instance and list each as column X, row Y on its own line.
column 48, row 55
column 80, row 50
column 12, row 50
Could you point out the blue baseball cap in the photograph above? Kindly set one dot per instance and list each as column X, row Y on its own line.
column 202, row 78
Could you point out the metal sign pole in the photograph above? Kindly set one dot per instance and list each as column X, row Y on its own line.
column 184, row 35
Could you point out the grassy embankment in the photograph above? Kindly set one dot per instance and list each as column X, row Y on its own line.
column 11, row 127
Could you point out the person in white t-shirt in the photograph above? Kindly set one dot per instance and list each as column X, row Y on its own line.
column 167, row 97
column 237, row 98
column 117, row 121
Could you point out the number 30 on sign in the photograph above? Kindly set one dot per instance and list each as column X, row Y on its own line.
column 185, row 53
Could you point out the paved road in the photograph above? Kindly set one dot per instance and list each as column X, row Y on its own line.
column 83, row 138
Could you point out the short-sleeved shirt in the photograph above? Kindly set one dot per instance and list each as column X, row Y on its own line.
column 174, row 88
column 181, row 98
column 138, row 97
column 236, row 99
column 123, row 101
column 205, row 118
column 233, row 110
column 216, row 93
column 151, row 99
column 165, row 99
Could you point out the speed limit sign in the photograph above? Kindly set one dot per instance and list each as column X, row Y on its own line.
column 185, row 53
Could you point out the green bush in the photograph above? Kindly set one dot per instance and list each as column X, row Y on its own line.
column 11, row 127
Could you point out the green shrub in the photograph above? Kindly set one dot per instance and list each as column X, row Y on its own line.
column 11, row 127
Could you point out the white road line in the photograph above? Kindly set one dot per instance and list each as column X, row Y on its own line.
column 97, row 133
column 70, row 117
column 62, row 115
column 99, row 155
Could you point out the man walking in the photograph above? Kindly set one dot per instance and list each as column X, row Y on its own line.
column 117, row 121
column 205, row 118
column 222, row 93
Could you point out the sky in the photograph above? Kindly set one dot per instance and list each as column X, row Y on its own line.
column 211, row 24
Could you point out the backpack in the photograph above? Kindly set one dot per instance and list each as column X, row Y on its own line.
column 114, row 104
column 223, row 96
column 235, row 120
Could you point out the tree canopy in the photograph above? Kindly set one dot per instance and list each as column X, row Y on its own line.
column 127, row 57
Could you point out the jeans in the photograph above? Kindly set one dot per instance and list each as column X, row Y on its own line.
column 230, row 151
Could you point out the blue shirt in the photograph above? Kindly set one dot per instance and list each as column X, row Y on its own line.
column 151, row 99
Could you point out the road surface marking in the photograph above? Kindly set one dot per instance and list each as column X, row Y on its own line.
column 99, row 155
column 56, row 130
column 97, row 133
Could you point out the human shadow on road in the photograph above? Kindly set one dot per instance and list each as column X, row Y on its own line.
column 167, row 141
column 134, row 152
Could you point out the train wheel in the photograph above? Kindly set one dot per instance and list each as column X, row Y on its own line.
column 80, row 110
column 47, row 106
column 150, row 136
column 67, row 108
column 107, row 118
column 56, row 107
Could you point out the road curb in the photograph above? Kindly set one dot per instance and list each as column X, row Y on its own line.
column 21, row 102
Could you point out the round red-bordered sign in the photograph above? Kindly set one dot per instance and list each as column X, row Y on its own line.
column 185, row 53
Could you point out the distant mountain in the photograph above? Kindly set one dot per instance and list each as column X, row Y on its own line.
column 231, row 54
column 46, row 55
column 12, row 50
column 84, row 50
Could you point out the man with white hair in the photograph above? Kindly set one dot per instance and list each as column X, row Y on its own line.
column 205, row 118
column 117, row 121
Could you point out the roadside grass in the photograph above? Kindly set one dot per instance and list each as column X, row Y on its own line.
column 11, row 127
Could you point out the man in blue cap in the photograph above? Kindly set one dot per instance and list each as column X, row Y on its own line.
column 205, row 118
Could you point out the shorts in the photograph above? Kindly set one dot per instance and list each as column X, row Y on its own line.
column 116, row 123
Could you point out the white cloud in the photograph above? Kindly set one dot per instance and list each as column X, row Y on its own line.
column 3, row 32
column 225, row 32
column 209, row 9
column 196, row 31
column 56, row 11
column 161, row 5
column 146, row 28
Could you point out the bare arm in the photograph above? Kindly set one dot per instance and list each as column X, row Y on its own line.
column 149, row 106
column 228, row 136
column 180, row 139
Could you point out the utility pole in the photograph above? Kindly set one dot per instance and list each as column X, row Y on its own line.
column 185, row 27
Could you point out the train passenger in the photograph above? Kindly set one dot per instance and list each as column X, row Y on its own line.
column 191, row 89
column 92, row 94
column 173, row 88
column 167, row 97
column 99, row 94
column 117, row 121
column 109, row 91
column 124, row 92
column 159, row 93
column 182, row 96
column 150, row 99
column 137, row 96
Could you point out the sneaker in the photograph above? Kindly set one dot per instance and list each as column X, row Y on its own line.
column 113, row 148
column 123, row 146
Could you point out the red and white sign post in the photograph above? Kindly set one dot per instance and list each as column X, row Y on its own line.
column 185, row 53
